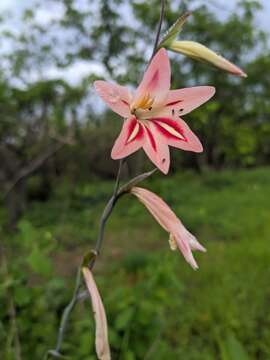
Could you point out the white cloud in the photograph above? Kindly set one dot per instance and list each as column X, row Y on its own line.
column 76, row 72
column 14, row 5
column 43, row 15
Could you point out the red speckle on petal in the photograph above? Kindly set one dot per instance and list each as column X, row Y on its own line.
column 174, row 103
column 125, row 102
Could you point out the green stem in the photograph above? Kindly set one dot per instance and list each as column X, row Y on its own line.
column 65, row 317
column 76, row 293
column 107, row 212
column 68, row 310
column 161, row 18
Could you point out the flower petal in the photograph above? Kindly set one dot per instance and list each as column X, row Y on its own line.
column 177, row 133
column 183, row 101
column 157, row 207
column 115, row 96
column 157, row 78
column 129, row 140
column 185, row 249
column 185, row 241
column 156, row 149
column 190, row 238
column 195, row 245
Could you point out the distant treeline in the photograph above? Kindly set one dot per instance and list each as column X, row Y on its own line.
column 50, row 130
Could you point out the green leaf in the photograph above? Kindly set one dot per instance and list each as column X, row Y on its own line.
column 127, row 187
column 124, row 318
column 39, row 262
column 232, row 349
column 174, row 30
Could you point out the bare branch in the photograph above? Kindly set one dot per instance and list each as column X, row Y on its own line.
column 33, row 166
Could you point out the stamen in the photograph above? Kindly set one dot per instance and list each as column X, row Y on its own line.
column 145, row 102
column 172, row 242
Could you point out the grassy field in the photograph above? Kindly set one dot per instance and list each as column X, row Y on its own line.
column 157, row 306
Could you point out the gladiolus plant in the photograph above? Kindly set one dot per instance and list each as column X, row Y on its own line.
column 152, row 120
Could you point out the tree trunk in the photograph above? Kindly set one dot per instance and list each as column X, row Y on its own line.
column 16, row 203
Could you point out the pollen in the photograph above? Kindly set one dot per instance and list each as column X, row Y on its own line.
column 172, row 242
column 144, row 102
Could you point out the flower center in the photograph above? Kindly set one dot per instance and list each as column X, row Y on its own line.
column 144, row 102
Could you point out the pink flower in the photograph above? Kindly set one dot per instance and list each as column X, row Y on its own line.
column 102, row 343
column 179, row 236
column 153, row 113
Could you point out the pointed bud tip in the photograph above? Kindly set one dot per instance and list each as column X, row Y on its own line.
column 193, row 263
column 239, row 72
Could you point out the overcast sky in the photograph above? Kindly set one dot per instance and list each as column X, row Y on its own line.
column 222, row 8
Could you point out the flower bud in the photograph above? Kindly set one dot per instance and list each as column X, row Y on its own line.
column 200, row 52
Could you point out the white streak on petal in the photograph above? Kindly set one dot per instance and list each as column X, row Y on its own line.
column 171, row 130
column 134, row 133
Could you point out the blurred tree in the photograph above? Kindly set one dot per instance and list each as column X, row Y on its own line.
column 111, row 38
column 34, row 127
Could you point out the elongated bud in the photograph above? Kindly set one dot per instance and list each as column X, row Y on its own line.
column 200, row 52
column 102, row 343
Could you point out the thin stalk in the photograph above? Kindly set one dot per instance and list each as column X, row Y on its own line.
column 107, row 211
column 76, row 292
column 65, row 317
column 77, row 295
column 68, row 310
column 161, row 18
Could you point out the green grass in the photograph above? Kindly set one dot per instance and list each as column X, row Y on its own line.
column 157, row 306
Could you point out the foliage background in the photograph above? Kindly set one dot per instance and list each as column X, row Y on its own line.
column 56, row 174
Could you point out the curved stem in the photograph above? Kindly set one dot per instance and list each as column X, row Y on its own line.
column 161, row 17
column 107, row 211
column 117, row 180
column 76, row 293
column 65, row 317
column 68, row 310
